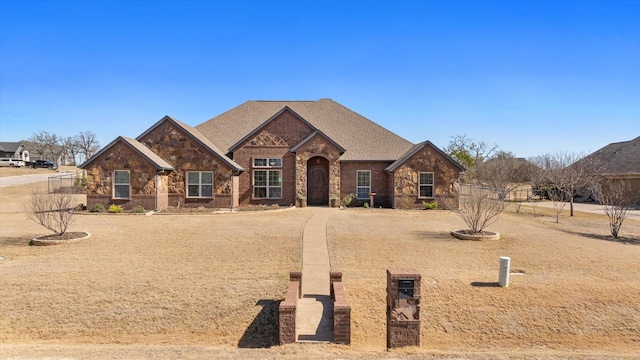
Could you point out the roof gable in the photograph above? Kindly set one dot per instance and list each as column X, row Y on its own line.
column 197, row 136
column 620, row 157
column 158, row 162
column 10, row 146
column 312, row 135
column 266, row 123
column 415, row 149
column 362, row 139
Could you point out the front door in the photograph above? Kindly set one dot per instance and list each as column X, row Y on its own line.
column 318, row 183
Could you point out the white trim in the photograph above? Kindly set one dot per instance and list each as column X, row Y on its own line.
column 113, row 186
column 199, row 185
column 433, row 185
column 363, row 187
column 268, row 161
column 267, row 186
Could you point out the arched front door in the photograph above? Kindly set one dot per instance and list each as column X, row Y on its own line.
column 318, row 181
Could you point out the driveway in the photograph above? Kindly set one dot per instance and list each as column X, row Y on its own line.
column 24, row 179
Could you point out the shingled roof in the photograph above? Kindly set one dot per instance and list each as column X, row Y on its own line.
column 620, row 158
column 196, row 135
column 158, row 162
column 362, row 139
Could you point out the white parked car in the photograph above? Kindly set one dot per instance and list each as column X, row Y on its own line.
column 11, row 162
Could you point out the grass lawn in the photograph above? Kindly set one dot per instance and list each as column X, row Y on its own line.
column 208, row 286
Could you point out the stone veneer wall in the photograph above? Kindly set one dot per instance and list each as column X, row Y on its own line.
column 318, row 146
column 406, row 178
column 142, row 179
column 185, row 154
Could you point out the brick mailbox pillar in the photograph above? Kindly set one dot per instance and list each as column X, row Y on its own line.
column 403, row 308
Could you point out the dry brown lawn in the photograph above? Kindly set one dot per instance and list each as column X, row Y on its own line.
column 208, row 285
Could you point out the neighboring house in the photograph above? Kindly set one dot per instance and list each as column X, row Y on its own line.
column 621, row 161
column 13, row 150
column 269, row 153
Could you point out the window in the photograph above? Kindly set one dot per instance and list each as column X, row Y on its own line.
column 200, row 184
column 121, row 184
column 267, row 162
column 426, row 185
column 267, row 184
column 363, row 184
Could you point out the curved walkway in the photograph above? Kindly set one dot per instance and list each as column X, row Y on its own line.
column 314, row 315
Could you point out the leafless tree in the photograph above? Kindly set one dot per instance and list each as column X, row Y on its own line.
column 87, row 143
column 563, row 174
column 44, row 143
column 51, row 210
column 478, row 206
column 504, row 171
column 70, row 147
column 617, row 198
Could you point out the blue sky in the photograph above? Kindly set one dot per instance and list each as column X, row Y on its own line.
column 532, row 77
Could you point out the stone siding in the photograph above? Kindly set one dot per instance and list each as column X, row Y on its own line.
column 318, row 146
column 185, row 154
column 142, row 179
column 406, row 178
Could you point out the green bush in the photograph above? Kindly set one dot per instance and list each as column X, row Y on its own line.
column 115, row 209
column 366, row 205
column 430, row 206
column 98, row 208
column 347, row 199
column 138, row 209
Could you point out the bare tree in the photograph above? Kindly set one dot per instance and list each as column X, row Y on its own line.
column 478, row 206
column 51, row 210
column 563, row 174
column 70, row 147
column 87, row 143
column 617, row 198
column 504, row 171
column 44, row 143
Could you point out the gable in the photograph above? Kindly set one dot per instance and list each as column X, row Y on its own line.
column 362, row 139
column 285, row 128
column 420, row 153
column 174, row 141
column 118, row 154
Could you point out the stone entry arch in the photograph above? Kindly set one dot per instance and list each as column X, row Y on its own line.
column 318, row 181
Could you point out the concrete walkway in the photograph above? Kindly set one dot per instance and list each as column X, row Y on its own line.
column 314, row 315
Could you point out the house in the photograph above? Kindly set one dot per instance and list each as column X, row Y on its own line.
column 13, row 150
column 269, row 153
column 621, row 162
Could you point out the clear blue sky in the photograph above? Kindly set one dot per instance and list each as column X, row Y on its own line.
column 531, row 76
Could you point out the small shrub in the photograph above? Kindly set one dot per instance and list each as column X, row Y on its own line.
column 430, row 206
column 347, row 199
column 115, row 209
column 366, row 205
column 405, row 203
column 98, row 208
column 138, row 209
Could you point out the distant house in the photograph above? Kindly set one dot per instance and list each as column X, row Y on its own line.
column 621, row 161
column 13, row 150
column 269, row 153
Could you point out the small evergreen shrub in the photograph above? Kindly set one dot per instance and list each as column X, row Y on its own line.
column 366, row 205
column 430, row 206
column 138, row 209
column 98, row 208
column 115, row 209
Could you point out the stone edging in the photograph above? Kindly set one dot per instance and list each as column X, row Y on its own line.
column 488, row 235
column 43, row 242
